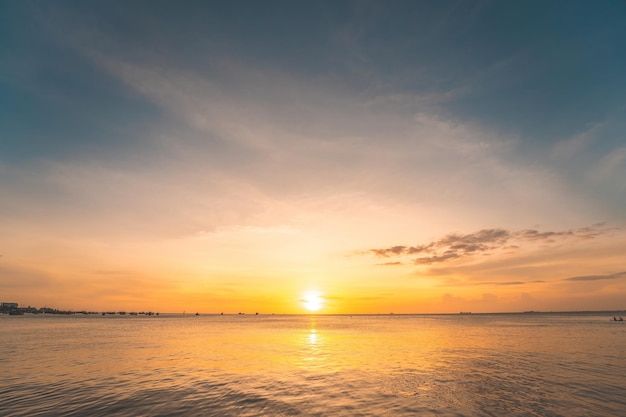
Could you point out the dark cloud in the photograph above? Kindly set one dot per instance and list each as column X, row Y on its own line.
column 483, row 242
column 419, row 249
column 595, row 230
column 392, row 263
column 448, row 255
column 480, row 238
column 394, row 250
column 450, row 247
column 467, row 248
column 597, row 277
column 545, row 236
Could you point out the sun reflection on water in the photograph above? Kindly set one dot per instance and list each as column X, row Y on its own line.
column 312, row 351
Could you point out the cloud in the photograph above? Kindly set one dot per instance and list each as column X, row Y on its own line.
column 456, row 246
column 543, row 236
column 394, row 250
column 455, row 243
column 505, row 283
column 448, row 255
column 616, row 275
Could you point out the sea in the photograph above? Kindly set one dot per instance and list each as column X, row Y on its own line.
column 533, row 364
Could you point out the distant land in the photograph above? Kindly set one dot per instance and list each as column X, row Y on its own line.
column 15, row 310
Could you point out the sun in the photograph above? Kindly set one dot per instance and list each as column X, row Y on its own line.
column 312, row 300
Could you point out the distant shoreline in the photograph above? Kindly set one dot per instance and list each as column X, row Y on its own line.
column 14, row 309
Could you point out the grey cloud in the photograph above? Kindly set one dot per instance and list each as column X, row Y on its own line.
column 467, row 248
column 437, row 258
column 385, row 253
column 480, row 238
column 454, row 245
column 588, row 232
column 402, row 250
column 598, row 277
column 451, row 246
column 419, row 249
column 546, row 236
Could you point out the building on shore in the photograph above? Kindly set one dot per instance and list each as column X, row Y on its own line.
column 8, row 308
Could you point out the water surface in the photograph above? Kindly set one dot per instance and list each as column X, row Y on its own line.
column 243, row 365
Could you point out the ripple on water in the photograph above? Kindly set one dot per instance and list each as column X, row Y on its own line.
column 292, row 366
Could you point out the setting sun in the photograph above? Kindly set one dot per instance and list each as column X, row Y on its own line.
column 312, row 300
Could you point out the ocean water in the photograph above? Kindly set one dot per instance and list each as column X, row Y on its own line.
column 266, row 365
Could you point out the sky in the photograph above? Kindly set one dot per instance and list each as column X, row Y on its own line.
column 330, row 156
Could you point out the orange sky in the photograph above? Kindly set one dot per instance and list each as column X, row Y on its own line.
column 269, row 271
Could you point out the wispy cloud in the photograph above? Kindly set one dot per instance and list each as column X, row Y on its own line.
column 392, row 263
column 456, row 246
column 616, row 275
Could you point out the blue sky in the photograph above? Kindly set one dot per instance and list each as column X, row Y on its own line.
column 543, row 70
column 366, row 124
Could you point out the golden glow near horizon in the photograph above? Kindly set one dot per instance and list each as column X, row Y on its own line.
column 312, row 301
